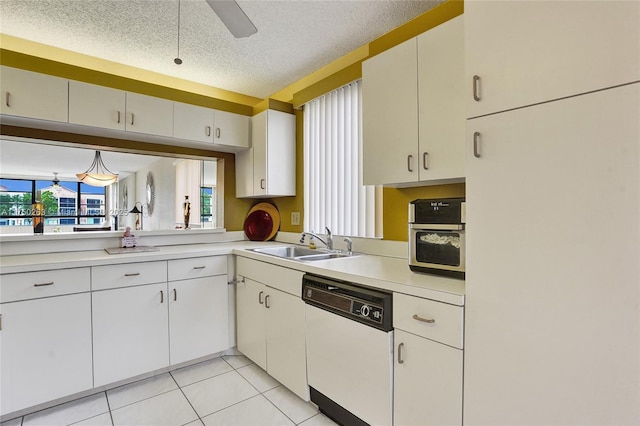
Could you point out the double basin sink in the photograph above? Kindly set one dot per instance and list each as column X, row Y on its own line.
column 302, row 254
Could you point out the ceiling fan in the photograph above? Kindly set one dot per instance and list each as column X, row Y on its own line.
column 233, row 17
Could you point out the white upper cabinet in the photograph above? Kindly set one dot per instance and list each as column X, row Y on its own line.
column 390, row 115
column 149, row 115
column 268, row 169
column 231, row 129
column 96, row 106
column 192, row 122
column 34, row 95
column 526, row 52
column 441, row 110
column 413, row 109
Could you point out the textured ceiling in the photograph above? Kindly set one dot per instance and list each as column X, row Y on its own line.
column 294, row 39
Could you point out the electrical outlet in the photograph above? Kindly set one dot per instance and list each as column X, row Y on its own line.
column 295, row 218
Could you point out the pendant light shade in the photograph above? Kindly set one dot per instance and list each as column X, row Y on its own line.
column 98, row 174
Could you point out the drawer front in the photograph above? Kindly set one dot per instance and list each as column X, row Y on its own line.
column 128, row 274
column 284, row 279
column 32, row 285
column 184, row 269
column 427, row 318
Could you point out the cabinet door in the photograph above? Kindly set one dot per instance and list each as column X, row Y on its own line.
column 441, row 100
column 250, row 317
column 96, row 106
column 427, row 382
column 192, row 122
column 526, row 52
column 286, row 350
column 244, row 173
column 198, row 318
column 281, row 154
column 149, row 115
column 34, row 95
column 390, row 116
column 259, row 129
column 552, row 273
column 45, row 350
column 231, row 129
column 130, row 332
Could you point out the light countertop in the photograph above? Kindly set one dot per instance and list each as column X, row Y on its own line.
column 382, row 272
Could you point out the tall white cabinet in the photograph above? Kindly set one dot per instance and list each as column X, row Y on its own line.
column 553, row 214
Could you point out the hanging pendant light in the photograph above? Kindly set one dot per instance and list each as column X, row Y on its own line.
column 98, row 174
column 177, row 60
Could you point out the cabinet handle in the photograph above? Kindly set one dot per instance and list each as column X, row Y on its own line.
column 262, row 182
column 8, row 99
column 132, row 274
column 132, row 118
column 208, row 131
column 266, row 301
column 199, row 267
column 476, row 144
column 427, row 320
column 260, row 297
column 43, row 284
column 400, row 360
column 476, row 88
column 409, row 161
column 425, row 156
column 161, row 296
column 218, row 132
column 118, row 113
column 175, row 295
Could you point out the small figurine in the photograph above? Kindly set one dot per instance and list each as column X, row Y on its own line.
column 127, row 232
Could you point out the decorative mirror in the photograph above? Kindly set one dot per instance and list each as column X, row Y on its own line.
column 150, row 193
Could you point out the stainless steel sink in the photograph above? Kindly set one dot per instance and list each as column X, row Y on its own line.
column 303, row 254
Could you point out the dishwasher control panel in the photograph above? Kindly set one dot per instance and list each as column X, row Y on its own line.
column 368, row 306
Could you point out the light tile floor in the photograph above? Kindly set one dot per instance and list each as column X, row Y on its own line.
column 229, row 391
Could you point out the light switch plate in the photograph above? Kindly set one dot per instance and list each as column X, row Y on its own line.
column 295, row 218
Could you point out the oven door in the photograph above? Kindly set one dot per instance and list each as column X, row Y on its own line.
column 437, row 249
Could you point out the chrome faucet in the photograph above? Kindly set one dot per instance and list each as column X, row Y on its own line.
column 328, row 243
column 349, row 245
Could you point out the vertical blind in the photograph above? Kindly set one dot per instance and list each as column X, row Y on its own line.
column 334, row 196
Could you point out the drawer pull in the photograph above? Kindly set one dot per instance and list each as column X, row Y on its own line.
column 199, row 267
column 132, row 274
column 427, row 320
column 400, row 360
column 43, row 284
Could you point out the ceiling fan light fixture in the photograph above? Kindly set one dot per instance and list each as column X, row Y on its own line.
column 98, row 174
column 233, row 17
column 56, row 188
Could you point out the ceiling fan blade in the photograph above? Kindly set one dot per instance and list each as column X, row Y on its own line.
column 233, row 17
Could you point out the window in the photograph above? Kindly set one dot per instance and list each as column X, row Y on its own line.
column 334, row 196
column 208, row 207
column 71, row 204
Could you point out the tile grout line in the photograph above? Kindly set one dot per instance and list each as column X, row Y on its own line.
column 109, row 406
column 185, row 397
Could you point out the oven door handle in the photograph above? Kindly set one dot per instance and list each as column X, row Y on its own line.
column 436, row 227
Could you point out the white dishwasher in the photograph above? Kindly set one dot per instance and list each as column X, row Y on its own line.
column 349, row 351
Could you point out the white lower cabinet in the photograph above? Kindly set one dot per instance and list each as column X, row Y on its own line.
column 198, row 308
column 129, row 332
column 427, row 376
column 45, row 350
column 45, row 337
column 271, row 323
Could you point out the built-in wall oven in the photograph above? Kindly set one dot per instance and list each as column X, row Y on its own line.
column 437, row 236
column 349, row 351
